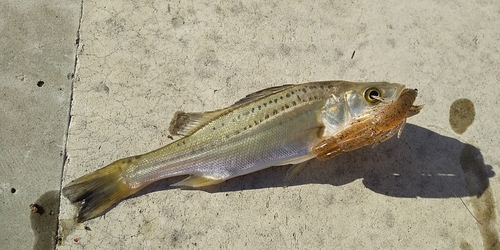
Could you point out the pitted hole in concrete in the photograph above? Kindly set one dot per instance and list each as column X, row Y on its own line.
column 482, row 197
column 44, row 224
column 178, row 21
column 462, row 114
column 13, row 190
column 102, row 88
column 40, row 83
column 464, row 245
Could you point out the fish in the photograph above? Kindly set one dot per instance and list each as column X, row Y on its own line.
column 277, row 126
column 373, row 130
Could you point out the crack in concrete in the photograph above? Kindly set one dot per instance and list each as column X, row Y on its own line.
column 73, row 79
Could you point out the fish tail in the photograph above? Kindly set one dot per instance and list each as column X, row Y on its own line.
column 101, row 189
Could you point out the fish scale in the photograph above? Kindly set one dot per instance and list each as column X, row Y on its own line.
column 259, row 120
column 275, row 126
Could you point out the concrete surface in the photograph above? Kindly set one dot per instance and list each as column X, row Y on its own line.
column 37, row 59
column 139, row 62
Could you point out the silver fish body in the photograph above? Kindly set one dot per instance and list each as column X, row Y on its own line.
column 275, row 126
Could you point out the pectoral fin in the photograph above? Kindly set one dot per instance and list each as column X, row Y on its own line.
column 197, row 181
column 295, row 161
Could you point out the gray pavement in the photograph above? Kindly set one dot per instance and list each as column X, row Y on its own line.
column 120, row 69
column 37, row 59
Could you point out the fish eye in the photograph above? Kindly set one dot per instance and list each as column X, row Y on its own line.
column 372, row 94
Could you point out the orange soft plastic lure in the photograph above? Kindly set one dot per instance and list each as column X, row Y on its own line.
column 378, row 128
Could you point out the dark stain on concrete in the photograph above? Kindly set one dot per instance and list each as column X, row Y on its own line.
column 462, row 114
column 44, row 224
column 482, row 198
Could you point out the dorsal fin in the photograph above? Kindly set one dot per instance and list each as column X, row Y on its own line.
column 262, row 93
column 187, row 123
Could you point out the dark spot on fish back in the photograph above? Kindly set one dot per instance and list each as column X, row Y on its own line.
column 462, row 114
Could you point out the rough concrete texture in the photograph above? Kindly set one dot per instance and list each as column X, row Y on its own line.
column 37, row 54
column 138, row 62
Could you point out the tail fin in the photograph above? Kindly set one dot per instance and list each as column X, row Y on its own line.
column 99, row 190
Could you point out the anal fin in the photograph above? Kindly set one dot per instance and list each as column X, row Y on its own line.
column 197, row 181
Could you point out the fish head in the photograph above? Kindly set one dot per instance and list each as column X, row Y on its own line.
column 352, row 101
